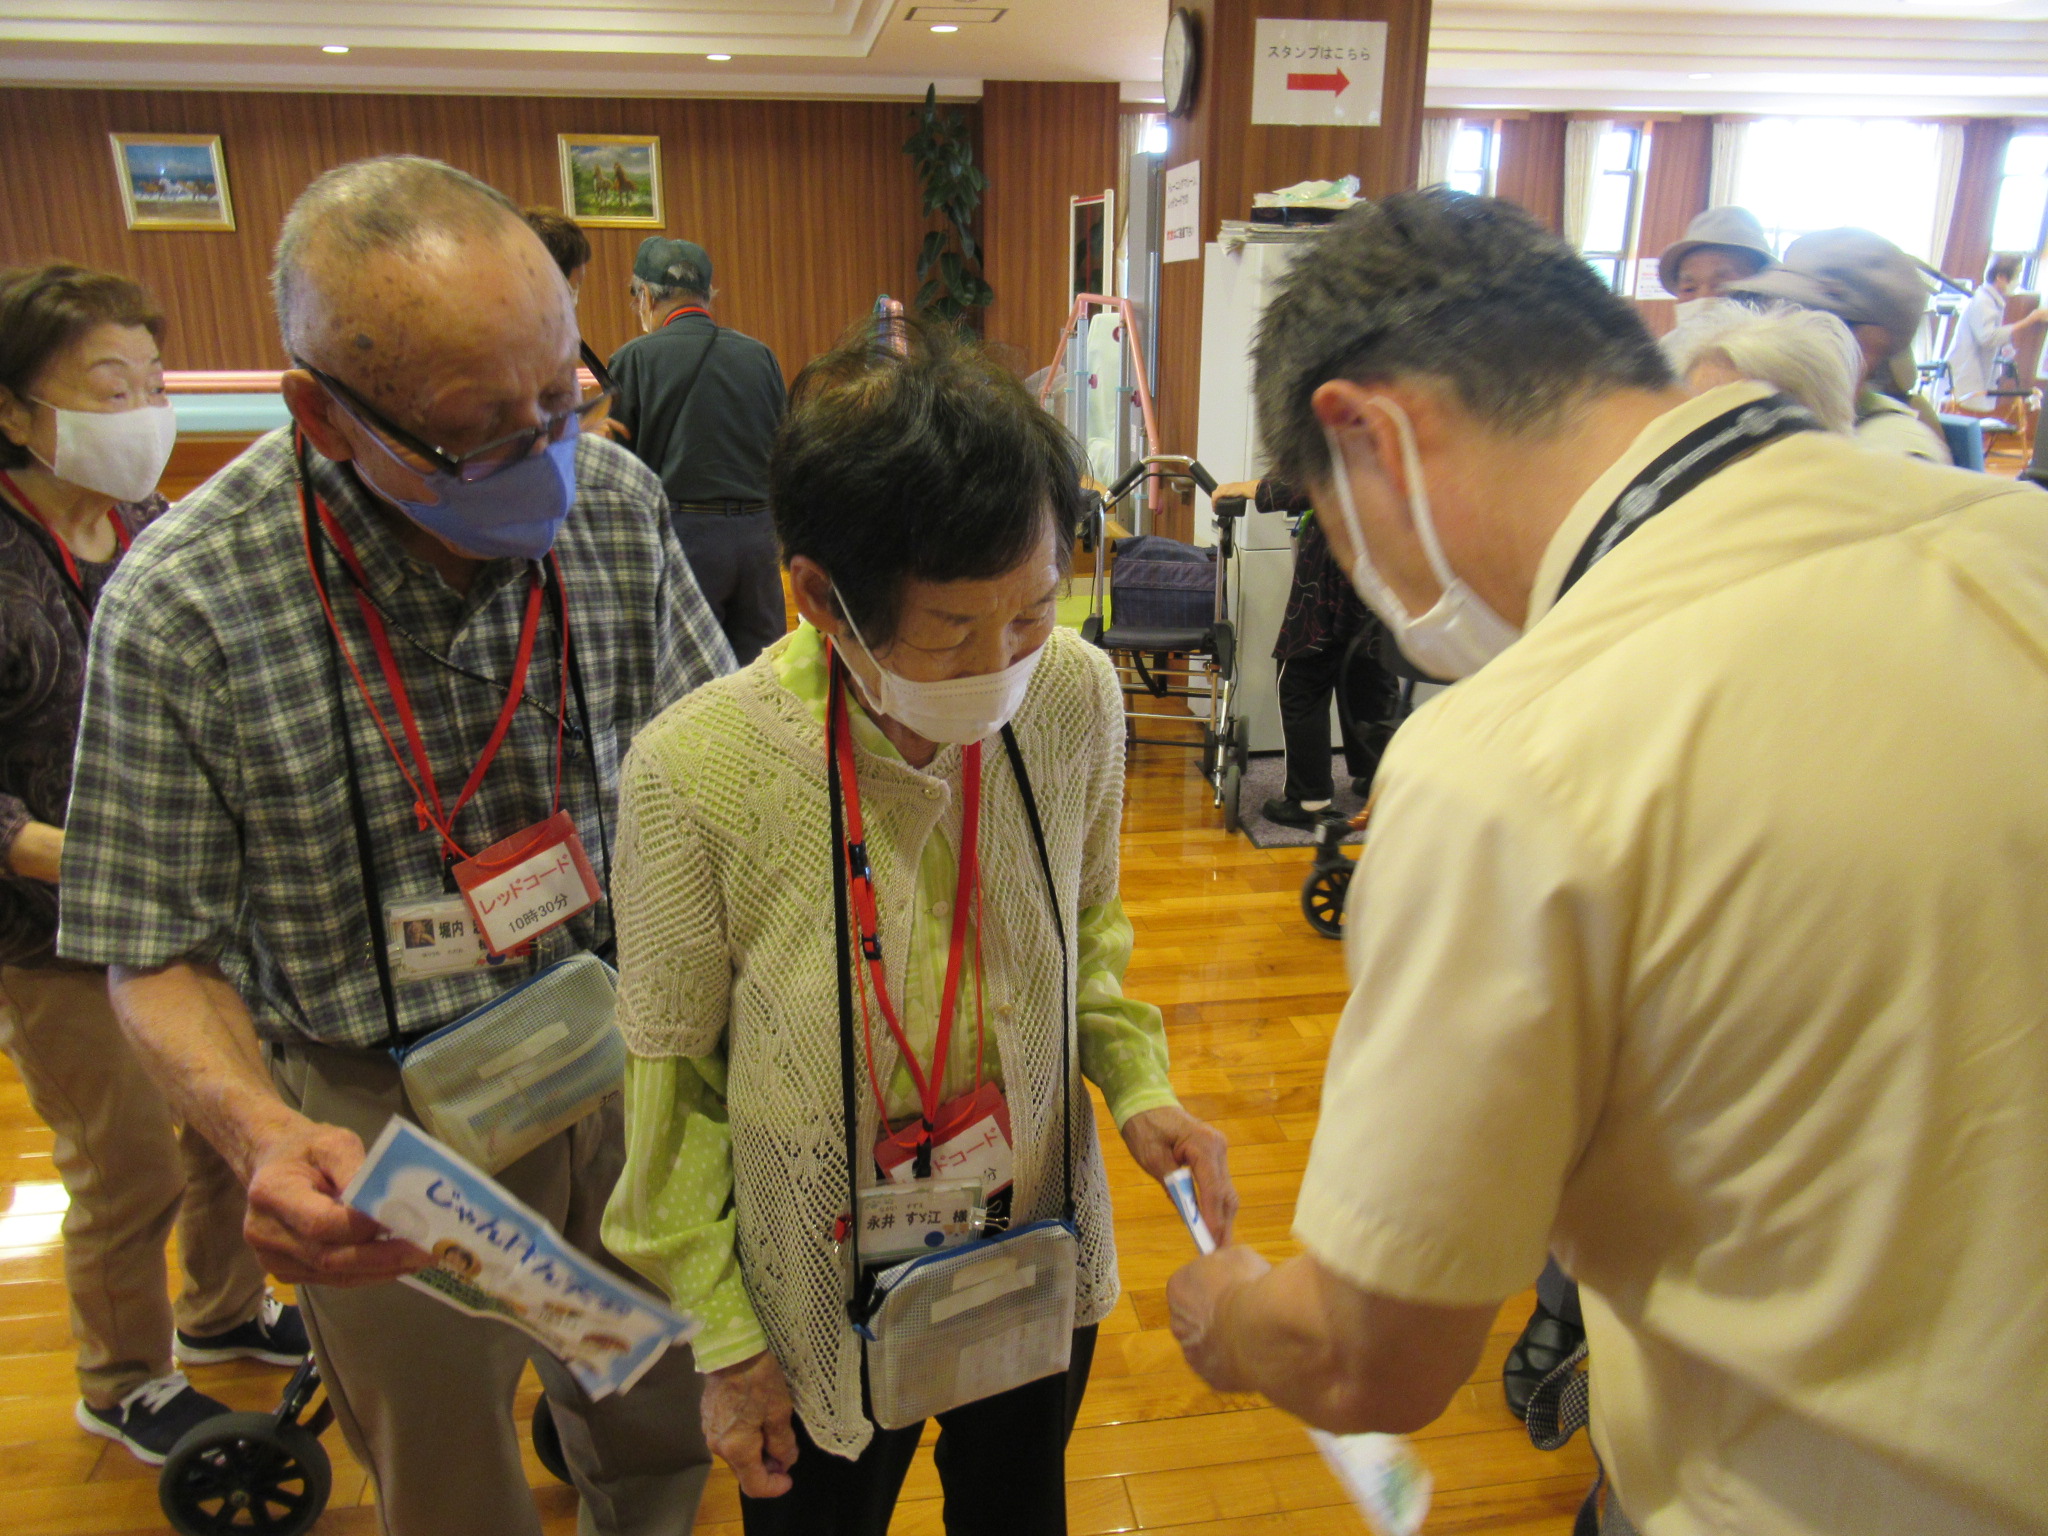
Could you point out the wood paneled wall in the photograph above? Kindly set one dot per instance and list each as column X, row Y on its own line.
column 1240, row 158
column 1969, row 230
column 809, row 208
column 1043, row 142
column 1530, row 167
column 1675, row 189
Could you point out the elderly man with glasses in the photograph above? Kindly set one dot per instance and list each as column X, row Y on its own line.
column 425, row 620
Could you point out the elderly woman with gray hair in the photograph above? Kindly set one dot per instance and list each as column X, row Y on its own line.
column 1804, row 353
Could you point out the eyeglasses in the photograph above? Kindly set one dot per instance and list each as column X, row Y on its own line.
column 480, row 463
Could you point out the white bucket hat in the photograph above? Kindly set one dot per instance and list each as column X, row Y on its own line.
column 1726, row 227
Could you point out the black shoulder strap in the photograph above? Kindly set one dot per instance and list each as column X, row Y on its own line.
column 1684, row 467
column 359, row 816
column 1068, row 1043
column 575, row 656
column 857, row 1303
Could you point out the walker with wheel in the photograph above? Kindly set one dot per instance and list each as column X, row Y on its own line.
column 268, row 1473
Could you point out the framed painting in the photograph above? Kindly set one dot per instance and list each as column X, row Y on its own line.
column 611, row 180
column 173, row 180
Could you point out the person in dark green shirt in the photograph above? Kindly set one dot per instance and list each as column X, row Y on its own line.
column 702, row 403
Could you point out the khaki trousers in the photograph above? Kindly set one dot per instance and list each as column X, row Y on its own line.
column 131, row 1174
column 424, row 1393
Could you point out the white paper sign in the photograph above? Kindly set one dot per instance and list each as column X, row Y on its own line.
column 1648, row 284
column 1307, row 72
column 1183, row 213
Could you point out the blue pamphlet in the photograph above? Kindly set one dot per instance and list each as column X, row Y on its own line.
column 494, row 1257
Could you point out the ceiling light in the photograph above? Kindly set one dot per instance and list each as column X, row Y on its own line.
column 335, row 48
column 945, row 27
column 719, row 58
column 1699, row 77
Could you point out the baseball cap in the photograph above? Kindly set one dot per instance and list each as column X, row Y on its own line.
column 1861, row 277
column 1726, row 228
column 666, row 263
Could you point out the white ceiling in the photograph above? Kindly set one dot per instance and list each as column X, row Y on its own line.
column 1847, row 56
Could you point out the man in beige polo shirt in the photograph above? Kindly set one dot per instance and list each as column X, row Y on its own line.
column 1703, row 933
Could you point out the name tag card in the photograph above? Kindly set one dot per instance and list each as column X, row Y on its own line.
column 526, row 885
column 434, row 936
column 898, row 1220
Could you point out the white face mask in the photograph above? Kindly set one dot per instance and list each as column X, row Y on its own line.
column 121, row 454
column 957, row 711
column 1694, row 309
column 1460, row 634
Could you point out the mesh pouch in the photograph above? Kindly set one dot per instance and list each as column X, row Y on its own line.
column 971, row 1322
column 505, row 1077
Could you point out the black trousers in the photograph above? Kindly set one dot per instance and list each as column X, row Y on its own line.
column 739, row 571
column 1002, row 1462
column 1307, row 682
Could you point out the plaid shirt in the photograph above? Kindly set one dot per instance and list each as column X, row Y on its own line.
column 210, row 815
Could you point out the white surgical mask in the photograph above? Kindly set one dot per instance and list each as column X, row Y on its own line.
column 121, row 454
column 1460, row 634
column 1693, row 309
column 957, row 711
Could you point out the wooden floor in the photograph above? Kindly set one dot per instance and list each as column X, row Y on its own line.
column 1250, row 995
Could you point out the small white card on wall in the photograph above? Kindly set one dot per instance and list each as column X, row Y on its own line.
column 1183, row 213
column 1649, row 285
column 1309, row 72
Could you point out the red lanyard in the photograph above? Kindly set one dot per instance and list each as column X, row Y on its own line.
column 866, row 917
column 121, row 536
column 419, row 775
column 693, row 309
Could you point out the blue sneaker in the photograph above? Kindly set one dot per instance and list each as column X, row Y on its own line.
column 275, row 1335
column 153, row 1418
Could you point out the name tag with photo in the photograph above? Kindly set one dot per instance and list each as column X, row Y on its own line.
column 434, row 936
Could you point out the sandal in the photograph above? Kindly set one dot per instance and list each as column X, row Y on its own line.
column 1546, row 1343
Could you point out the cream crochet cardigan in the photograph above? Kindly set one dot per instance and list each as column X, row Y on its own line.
column 725, row 914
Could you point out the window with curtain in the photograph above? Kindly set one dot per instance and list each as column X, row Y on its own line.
column 1612, row 193
column 1475, row 157
column 1800, row 174
column 2019, row 221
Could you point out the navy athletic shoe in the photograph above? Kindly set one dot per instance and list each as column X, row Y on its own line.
column 275, row 1335
column 152, row 1418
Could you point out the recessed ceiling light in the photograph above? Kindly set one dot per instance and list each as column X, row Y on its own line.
column 335, row 48
column 719, row 58
column 945, row 27
column 1699, row 77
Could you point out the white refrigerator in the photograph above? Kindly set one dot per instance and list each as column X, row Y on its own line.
column 1236, row 284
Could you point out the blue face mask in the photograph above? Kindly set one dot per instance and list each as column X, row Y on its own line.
column 514, row 514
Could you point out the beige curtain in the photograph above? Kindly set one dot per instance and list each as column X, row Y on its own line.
column 1438, row 135
column 1722, row 180
column 1948, row 174
column 1581, row 164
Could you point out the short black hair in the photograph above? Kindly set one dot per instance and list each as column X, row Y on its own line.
column 44, row 310
column 562, row 235
column 2007, row 265
column 1468, row 291
column 910, row 455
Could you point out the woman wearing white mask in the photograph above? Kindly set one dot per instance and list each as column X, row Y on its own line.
column 85, row 432
column 929, row 723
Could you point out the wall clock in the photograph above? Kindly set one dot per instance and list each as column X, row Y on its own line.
column 1180, row 61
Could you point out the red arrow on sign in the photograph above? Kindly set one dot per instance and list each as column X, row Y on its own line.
column 1335, row 84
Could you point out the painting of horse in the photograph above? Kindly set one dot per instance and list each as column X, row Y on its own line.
column 611, row 180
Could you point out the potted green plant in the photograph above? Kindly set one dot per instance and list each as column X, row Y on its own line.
column 949, row 263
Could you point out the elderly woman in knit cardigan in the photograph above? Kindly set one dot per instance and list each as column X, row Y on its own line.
column 926, row 508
